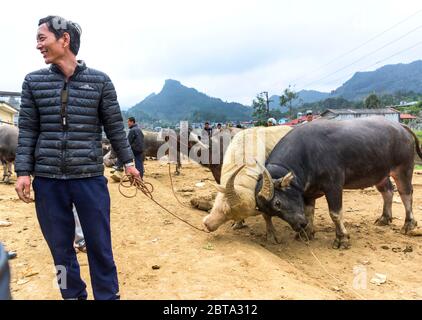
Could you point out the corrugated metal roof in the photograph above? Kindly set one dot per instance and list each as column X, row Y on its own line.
column 361, row 111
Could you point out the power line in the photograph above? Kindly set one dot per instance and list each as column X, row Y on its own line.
column 382, row 60
column 363, row 57
column 359, row 46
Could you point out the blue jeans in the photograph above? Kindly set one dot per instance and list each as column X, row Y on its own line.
column 53, row 202
column 139, row 163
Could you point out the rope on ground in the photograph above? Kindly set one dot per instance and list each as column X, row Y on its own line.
column 307, row 242
column 128, row 182
column 174, row 193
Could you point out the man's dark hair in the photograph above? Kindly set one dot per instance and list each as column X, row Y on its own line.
column 132, row 119
column 59, row 26
column 207, row 122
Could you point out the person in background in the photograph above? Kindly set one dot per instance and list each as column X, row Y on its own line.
column 135, row 138
column 207, row 128
column 4, row 275
column 136, row 141
column 79, row 242
column 271, row 122
column 309, row 116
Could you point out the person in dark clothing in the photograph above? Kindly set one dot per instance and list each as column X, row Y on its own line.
column 4, row 275
column 207, row 128
column 63, row 111
column 136, row 141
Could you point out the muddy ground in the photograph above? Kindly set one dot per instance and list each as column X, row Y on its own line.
column 227, row 264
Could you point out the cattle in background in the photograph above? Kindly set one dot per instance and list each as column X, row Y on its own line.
column 154, row 140
column 324, row 157
column 8, row 145
column 236, row 194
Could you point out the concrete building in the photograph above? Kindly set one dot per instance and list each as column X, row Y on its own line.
column 8, row 114
column 344, row 114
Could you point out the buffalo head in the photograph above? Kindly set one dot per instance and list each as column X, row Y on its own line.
column 279, row 197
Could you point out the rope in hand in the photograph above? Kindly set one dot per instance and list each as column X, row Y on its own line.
column 128, row 182
column 307, row 242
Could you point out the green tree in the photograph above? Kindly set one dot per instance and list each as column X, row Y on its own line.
column 372, row 102
column 287, row 98
column 260, row 110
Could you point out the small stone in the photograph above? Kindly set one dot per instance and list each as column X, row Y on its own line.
column 200, row 185
column 396, row 250
column 5, row 224
column 208, row 246
column 155, row 267
column 379, row 279
column 336, row 289
column 385, row 247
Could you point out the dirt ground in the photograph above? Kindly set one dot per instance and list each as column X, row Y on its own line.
column 227, row 264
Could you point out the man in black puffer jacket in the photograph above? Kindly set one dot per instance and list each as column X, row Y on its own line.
column 63, row 111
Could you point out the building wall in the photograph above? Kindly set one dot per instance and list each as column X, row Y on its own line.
column 6, row 116
column 393, row 117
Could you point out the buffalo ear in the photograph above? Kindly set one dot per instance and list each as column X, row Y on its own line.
column 284, row 182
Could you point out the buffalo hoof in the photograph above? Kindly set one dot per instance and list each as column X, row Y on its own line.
column 239, row 225
column 408, row 226
column 271, row 238
column 307, row 234
column 342, row 242
column 383, row 221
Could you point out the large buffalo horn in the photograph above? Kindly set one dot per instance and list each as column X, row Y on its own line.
column 285, row 181
column 267, row 189
column 218, row 187
column 231, row 193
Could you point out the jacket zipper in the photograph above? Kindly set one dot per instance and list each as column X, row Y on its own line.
column 63, row 115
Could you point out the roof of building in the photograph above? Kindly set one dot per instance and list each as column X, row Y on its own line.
column 406, row 116
column 298, row 121
column 9, row 94
column 7, row 107
column 360, row 111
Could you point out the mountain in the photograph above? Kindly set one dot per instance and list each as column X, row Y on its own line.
column 388, row 79
column 176, row 102
column 304, row 96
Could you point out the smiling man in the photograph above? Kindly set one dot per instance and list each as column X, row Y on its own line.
column 63, row 110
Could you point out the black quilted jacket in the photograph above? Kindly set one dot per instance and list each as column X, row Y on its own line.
column 60, row 124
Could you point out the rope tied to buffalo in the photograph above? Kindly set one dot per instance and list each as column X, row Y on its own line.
column 137, row 184
column 308, row 244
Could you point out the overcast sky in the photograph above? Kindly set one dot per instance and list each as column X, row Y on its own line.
column 227, row 49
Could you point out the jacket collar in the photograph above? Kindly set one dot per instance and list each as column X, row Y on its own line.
column 80, row 66
column 135, row 125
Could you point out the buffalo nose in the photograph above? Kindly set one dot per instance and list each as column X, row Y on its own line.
column 206, row 224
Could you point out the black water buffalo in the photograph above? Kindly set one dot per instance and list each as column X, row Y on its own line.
column 8, row 145
column 324, row 157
